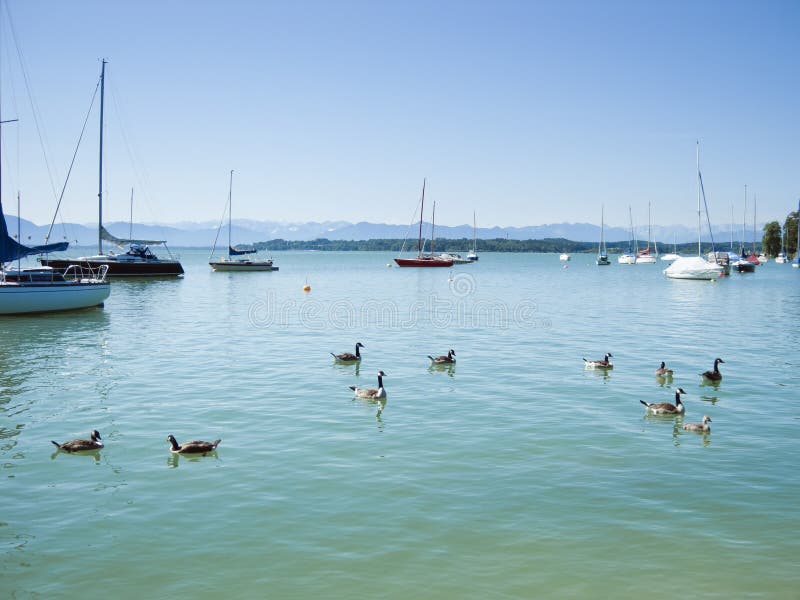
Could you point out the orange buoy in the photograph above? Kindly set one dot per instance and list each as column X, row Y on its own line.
column 306, row 288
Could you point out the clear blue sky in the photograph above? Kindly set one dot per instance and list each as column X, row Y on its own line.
column 527, row 112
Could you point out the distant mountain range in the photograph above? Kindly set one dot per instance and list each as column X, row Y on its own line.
column 191, row 234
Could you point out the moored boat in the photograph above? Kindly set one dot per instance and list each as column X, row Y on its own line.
column 423, row 260
column 695, row 267
column 233, row 261
column 43, row 289
column 602, row 253
column 139, row 260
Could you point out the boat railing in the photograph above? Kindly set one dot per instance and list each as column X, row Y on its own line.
column 83, row 274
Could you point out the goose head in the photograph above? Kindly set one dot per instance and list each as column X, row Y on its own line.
column 663, row 365
column 95, row 435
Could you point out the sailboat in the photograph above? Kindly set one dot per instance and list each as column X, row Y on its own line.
column 743, row 264
column 423, row 260
column 781, row 258
column 644, row 256
column 229, row 262
column 473, row 256
column 695, row 267
column 670, row 256
column 453, row 256
column 43, row 289
column 761, row 258
column 629, row 257
column 139, row 260
column 602, row 254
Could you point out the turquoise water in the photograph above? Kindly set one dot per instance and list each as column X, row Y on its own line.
column 514, row 474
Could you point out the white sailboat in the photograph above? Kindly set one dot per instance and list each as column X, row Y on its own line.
column 602, row 254
column 43, row 289
column 473, row 255
column 695, row 267
column 670, row 256
column 629, row 257
column 781, row 258
column 233, row 260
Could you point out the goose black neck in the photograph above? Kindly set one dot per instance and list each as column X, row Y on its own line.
column 358, row 351
column 380, row 381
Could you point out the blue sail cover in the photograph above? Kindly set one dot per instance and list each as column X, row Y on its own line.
column 11, row 249
column 234, row 252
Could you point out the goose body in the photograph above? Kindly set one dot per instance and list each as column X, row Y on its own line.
column 600, row 364
column 443, row 360
column 665, row 408
column 371, row 393
column 663, row 371
column 193, row 447
column 699, row 427
column 347, row 356
column 80, row 445
column 714, row 375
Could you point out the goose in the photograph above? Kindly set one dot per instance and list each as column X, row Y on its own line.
column 347, row 356
column 80, row 445
column 600, row 364
column 714, row 375
column 441, row 360
column 699, row 427
column 193, row 447
column 371, row 393
column 665, row 408
column 663, row 371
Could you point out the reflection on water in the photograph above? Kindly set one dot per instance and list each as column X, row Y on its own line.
column 449, row 368
column 705, row 382
column 174, row 459
column 664, row 380
column 712, row 399
column 95, row 454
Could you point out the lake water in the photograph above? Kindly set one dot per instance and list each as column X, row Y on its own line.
column 514, row 474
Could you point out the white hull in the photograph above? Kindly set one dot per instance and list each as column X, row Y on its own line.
column 244, row 265
column 564, row 257
column 781, row 259
column 670, row 257
column 646, row 260
column 16, row 298
column 693, row 267
column 627, row 259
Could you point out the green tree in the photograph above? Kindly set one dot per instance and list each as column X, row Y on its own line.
column 790, row 227
column 771, row 242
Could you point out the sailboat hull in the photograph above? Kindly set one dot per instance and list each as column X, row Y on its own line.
column 243, row 265
column 17, row 298
column 423, row 261
column 120, row 268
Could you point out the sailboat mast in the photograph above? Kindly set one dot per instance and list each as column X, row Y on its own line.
column 744, row 220
column 100, row 175
column 130, row 227
column 474, row 232
column 754, row 224
column 230, row 211
column 421, row 212
column 699, row 252
column 433, row 224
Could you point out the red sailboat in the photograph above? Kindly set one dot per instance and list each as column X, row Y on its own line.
column 423, row 260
